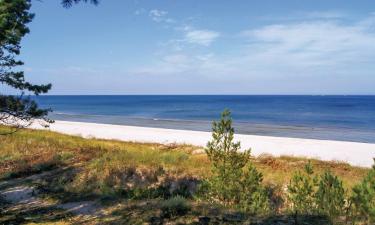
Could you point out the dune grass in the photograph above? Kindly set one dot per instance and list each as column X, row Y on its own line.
column 94, row 169
column 29, row 150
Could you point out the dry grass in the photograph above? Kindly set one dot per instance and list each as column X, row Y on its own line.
column 31, row 150
column 134, row 177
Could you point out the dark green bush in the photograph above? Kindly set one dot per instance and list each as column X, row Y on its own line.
column 175, row 206
column 330, row 196
column 316, row 195
column 301, row 191
column 253, row 196
column 363, row 199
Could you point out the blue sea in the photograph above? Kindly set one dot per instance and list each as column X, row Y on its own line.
column 348, row 118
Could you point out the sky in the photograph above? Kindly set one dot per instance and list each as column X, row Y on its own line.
column 315, row 47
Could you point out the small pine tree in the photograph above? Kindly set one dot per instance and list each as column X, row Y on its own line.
column 235, row 181
column 254, row 197
column 363, row 198
column 222, row 150
column 330, row 196
column 226, row 159
column 301, row 190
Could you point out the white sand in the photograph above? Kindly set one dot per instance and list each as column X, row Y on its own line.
column 358, row 154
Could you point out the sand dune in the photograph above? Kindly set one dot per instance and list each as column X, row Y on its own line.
column 357, row 154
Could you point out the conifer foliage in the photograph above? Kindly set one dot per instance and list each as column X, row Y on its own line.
column 235, row 181
column 69, row 3
column 363, row 198
column 16, row 110
column 301, row 190
column 19, row 110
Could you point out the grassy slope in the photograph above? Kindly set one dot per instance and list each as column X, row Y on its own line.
column 100, row 169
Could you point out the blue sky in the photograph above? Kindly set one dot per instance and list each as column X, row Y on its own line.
column 203, row 47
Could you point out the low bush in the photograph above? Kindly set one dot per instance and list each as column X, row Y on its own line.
column 175, row 206
column 330, row 196
column 363, row 199
column 301, row 190
column 316, row 195
column 253, row 196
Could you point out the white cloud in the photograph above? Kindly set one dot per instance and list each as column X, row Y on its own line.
column 314, row 43
column 190, row 36
column 201, row 37
column 292, row 56
column 160, row 16
column 305, row 16
column 156, row 14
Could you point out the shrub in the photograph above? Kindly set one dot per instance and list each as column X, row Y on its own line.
column 330, row 196
column 175, row 206
column 301, row 191
column 253, row 197
column 235, row 181
column 363, row 198
column 322, row 195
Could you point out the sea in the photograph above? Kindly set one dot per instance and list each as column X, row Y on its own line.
column 343, row 118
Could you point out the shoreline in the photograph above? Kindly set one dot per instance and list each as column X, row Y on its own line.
column 354, row 153
column 242, row 127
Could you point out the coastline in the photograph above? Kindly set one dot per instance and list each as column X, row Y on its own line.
column 320, row 132
column 354, row 153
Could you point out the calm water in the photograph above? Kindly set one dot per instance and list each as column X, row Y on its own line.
column 350, row 118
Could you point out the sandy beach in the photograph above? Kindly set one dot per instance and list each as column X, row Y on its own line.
column 357, row 154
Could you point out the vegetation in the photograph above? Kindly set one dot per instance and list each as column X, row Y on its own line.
column 330, row 196
column 69, row 3
column 326, row 195
column 131, row 183
column 363, row 198
column 175, row 206
column 301, row 191
column 19, row 111
column 16, row 111
column 234, row 181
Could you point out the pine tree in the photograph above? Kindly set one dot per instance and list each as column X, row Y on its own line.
column 16, row 110
column 235, row 181
column 301, row 190
column 363, row 198
column 69, row 3
column 226, row 159
column 19, row 111
column 330, row 196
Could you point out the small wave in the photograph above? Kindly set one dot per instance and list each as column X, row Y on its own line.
column 64, row 113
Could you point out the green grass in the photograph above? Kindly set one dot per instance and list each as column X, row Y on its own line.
column 114, row 171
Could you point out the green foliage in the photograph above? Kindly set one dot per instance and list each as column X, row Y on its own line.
column 330, row 196
column 235, row 181
column 322, row 195
column 69, row 3
column 175, row 206
column 101, row 169
column 227, row 161
column 253, row 197
column 363, row 198
column 222, row 150
column 14, row 17
column 301, row 191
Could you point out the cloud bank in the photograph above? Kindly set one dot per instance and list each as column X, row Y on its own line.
column 321, row 46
